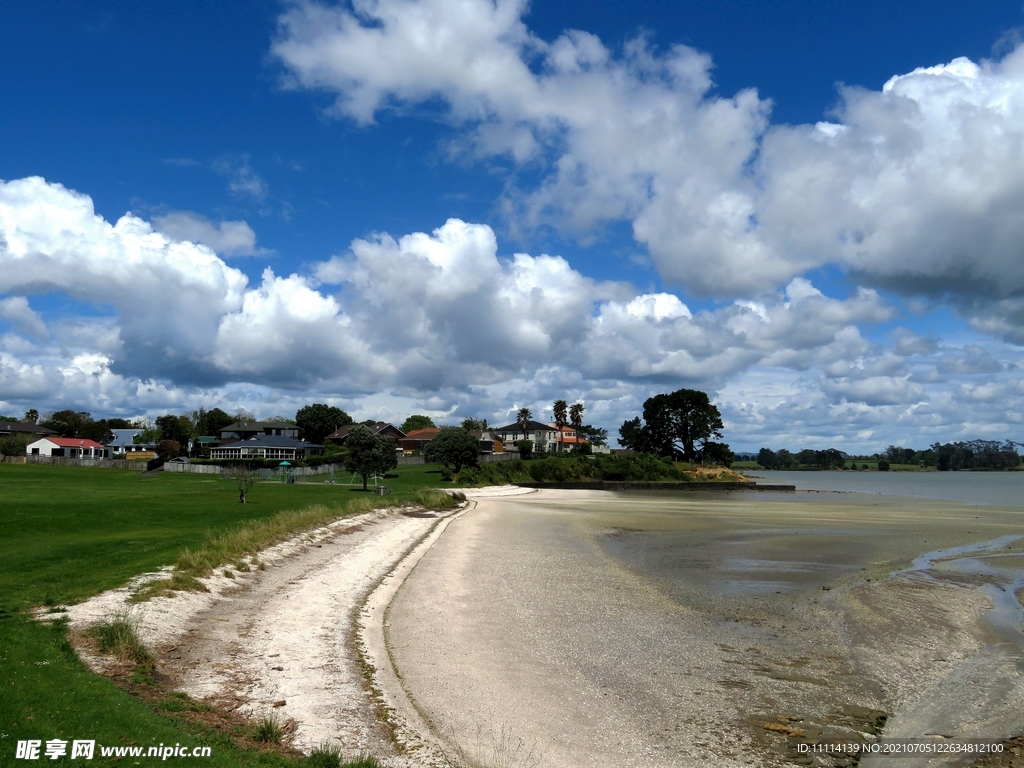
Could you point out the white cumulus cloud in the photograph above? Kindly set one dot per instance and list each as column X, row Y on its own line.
column 914, row 186
column 227, row 238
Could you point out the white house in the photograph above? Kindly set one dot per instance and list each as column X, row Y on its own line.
column 545, row 437
column 68, row 447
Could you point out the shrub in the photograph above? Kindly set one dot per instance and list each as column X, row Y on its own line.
column 13, row 445
column 268, row 730
column 469, row 476
column 495, row 473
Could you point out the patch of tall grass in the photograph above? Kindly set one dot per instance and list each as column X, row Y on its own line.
column 245, row 541
column 118, row 636
column 268, row 730
column 435, row 498
column 328, row 755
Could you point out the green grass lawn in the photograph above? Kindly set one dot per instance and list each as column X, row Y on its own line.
column 67, row 533
column 742, row 465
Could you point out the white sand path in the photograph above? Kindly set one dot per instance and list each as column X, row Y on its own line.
column 285, row 633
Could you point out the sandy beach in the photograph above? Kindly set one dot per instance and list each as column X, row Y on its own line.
column 531, row 624
column 586, row 628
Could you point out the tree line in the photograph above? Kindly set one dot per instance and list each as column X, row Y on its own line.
column 952, row 456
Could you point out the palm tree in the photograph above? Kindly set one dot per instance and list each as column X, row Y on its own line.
column 561, row 419
column 523, row 418
column 576, row 419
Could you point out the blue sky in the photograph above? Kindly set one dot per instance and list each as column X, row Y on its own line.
column 850, row 283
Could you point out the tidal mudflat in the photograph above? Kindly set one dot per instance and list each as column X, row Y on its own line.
column 570, row 628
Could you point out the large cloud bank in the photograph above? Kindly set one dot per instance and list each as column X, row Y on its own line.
column 437, row 319
column 916, row 186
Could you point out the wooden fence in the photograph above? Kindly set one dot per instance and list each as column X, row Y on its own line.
column 67, row 461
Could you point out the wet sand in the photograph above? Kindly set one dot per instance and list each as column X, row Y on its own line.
column 598, row 629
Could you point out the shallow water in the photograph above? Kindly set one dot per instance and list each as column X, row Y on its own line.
column 745, row 562
column 999, row 488
column 1004, row 572
column 750, row 566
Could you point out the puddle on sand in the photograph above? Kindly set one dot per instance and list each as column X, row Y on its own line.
column 982, row 564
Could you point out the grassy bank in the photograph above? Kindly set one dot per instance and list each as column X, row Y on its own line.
column 67, row 533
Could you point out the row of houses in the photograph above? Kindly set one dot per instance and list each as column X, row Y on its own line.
column 280, row 441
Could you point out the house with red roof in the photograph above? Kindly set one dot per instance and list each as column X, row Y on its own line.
column 417, row 439
column 68, row 447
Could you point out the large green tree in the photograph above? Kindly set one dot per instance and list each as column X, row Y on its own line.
column 677, row 425
column 318, row 420
column 176, row 428
column 369, row 454
column 453, row 448
column 98, row 430
column 416, row 421
column 66, row 423
column 211, row 422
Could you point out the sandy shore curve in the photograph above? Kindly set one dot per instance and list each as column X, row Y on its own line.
column 283, row 640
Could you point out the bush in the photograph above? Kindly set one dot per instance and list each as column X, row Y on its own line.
column 14, row 445
column 494, row 473
column 268, row 730
column 883, row 465
column 168, row 449
column 469, row 476
column 636, row 467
